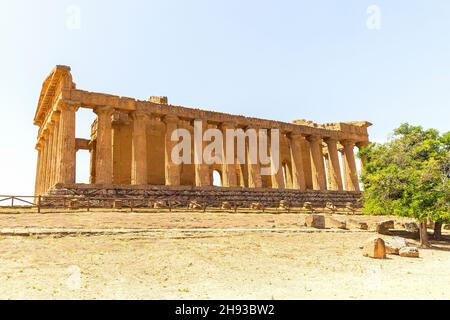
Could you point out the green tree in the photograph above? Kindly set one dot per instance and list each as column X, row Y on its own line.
column 409, row 176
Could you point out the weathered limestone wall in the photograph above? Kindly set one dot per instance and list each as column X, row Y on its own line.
column 130, row 144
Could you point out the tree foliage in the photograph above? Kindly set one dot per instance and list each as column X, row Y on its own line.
column 409, row 175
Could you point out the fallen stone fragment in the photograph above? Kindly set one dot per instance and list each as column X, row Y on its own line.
column 338, row 223
column 394, row 245
column 359, row 224
column 409, row 252
column 315, row 221
column 384, row 226
column 375, row 248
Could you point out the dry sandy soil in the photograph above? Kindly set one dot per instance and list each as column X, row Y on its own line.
column 119, row 255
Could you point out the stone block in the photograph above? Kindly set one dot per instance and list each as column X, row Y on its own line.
column 315, row 221
column 394, row 245
column 409, row 252
column 338, row 223
column 384, row 226
column 375, row 248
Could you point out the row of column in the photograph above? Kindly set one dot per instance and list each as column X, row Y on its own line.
column 309, row 174
column 56, row 149
column 310, row 167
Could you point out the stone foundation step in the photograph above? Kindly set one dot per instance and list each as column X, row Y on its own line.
column 211, row 195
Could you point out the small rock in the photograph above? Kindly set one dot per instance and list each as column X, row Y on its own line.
column 315, row 221
column 338, row 223
column 411, row 227
column 409, row 252
column 358, row 224
column 384, row 226
column 363, row 226
column 375, row 248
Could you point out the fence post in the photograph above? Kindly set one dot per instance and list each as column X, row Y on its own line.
column 12, row 202
column 131, row 205
column 88, row 204
column 39, row 204
column 170, row 206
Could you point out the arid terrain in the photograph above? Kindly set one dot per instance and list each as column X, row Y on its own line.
column 212, row 255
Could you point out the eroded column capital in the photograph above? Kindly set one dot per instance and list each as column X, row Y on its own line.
column 330, row 140
column 314, row 138
column 67, row 106
column 104, row 110
column 347, row 143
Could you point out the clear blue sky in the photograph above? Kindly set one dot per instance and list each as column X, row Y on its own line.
column 281, row 60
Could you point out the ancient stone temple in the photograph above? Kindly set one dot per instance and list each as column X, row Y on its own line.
column 130, row 147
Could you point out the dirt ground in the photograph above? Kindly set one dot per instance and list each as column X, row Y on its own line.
column 186, row 255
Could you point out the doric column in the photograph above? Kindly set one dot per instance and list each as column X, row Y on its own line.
column 50, row 154
column 202, row 174
column 344, row 167
column 298, row 173
column 55, row 147
column 362, row 145
column 104, row 161
column 66, row 144
column 326, row 156
column 317, row 163
column 277, row 173
column 253, row 169
column 139, row 174
column 44, row 139
column 229, row 177
column 173, row 171
column 38, row 168
column 352, row 183
column 92, row 162
column 306, row 157
column 334, row 165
